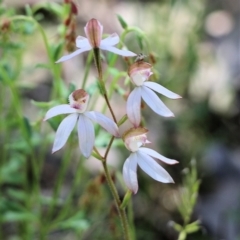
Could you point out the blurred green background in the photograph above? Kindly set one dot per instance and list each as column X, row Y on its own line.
column 194, row 47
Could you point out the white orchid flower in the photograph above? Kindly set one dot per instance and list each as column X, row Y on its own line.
column 139, row 73
column 78, row 101
column 134, row 139
column 93, row 31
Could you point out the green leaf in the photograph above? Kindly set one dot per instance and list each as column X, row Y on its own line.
column 140, row 41
column 77, row 222
column 28, row 127
column 122, row 22
column 192, row 227
column 126, row 199
column 11, row 216
column 44, row 105
column 17, row 194
column 28, row 10
column 42, row 65
column 176, row 226
column 56, row 50
column 182, row 235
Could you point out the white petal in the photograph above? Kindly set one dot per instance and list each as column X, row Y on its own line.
column 112, row 40
column 155, row 154
column 153, row 169
column 124, row 53
column 104, row 121
column 134, row 106
column 64, row 130
column 130, row 173
column 61, row 109
column 71, row 55
column 82, row 42
column 86, row 135
column 162, row 90
column 153, row 101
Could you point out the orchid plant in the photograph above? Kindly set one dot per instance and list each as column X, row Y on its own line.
column 135, row 138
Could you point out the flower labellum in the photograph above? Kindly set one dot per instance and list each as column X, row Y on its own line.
column 139, row 72
column 93, row 31
column 78, row 101
column 134, row 139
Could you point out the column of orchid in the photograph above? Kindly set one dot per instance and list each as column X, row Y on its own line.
column 136, row 137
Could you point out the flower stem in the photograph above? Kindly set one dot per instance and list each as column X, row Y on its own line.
column 97, row 60
column 121, row 212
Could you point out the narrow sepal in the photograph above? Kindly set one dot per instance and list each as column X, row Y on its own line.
column 152, row 168
column 107, row 123
column 153, row 101
column 60, row 109
column 155, row 154
column 130, row 173
column 134, row 106
column 63, row 132
column 162, row 90
column 86, row 135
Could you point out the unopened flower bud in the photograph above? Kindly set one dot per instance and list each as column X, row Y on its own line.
column 134, row 138
column 79, row 100
column 93, row 31
column 139, row 72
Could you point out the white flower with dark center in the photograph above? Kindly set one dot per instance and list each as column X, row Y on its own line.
column 78, row 101
column 139, row 73
column 134, row 139
column 93, row 31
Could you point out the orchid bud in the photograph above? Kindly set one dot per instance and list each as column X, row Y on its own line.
column 93, row 31
column 79, row 100
column 134, row 138
column 139, row 72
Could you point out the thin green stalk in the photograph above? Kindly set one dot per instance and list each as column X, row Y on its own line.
column 121, row 212
column 97, row 60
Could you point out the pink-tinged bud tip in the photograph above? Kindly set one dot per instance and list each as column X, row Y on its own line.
column 93, row 31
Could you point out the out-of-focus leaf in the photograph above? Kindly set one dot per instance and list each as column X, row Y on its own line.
column 11, row 216
column 56, row 50
column 77, row 222
column 140, row 41
column 176, row 226
column 10, row 171
column 28, row 10
column 50, row 6
column 17, row 194
column 42, row 65
column 71, row 88
column 192, row 227
column 122, row 22
column 28, row 127
column 182, row 235
column 126, row 199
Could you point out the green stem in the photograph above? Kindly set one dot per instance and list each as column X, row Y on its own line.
column 97, row 60
column 121, row 212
